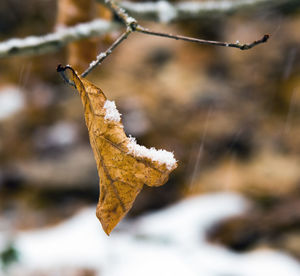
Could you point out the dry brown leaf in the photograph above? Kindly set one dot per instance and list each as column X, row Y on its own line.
column 123, row 166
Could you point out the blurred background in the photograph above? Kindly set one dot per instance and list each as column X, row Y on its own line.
column 231, row 117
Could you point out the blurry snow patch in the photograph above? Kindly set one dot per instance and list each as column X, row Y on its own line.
column 79, row 242
column 111, row 112
column 60, row 134
column 166, row 11
column 11, row 101
column 210, row 6
column 170, row 242
column 206, row 6
column 139, row 7
column 193, row 218
column 161, row 156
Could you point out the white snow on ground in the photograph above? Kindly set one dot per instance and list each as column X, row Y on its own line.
column 166, row 11
column 169, row 242
column 11, row 101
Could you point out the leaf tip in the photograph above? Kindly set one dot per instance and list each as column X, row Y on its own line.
column 106, row 227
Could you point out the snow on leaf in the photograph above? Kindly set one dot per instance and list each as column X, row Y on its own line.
column 112, row 112
column 123, row 166
column 161, row 156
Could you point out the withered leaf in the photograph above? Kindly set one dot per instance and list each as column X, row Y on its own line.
column 123, row 166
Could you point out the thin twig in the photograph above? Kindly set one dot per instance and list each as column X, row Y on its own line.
column 203, row 41
column 102, row 56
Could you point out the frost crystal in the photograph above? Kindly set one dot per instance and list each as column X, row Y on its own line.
column 101, row 55
column 93, row 63
column 130, row 20
column 161, row 156
column 111, row 112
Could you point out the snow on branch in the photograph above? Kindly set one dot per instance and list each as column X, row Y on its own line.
column 34, row 45
column 165, row 11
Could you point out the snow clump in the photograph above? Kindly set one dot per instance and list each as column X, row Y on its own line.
column 111, row 112
column 161, row 156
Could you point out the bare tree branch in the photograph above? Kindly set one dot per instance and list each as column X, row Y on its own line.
column 34, row 45
column 165, row 11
